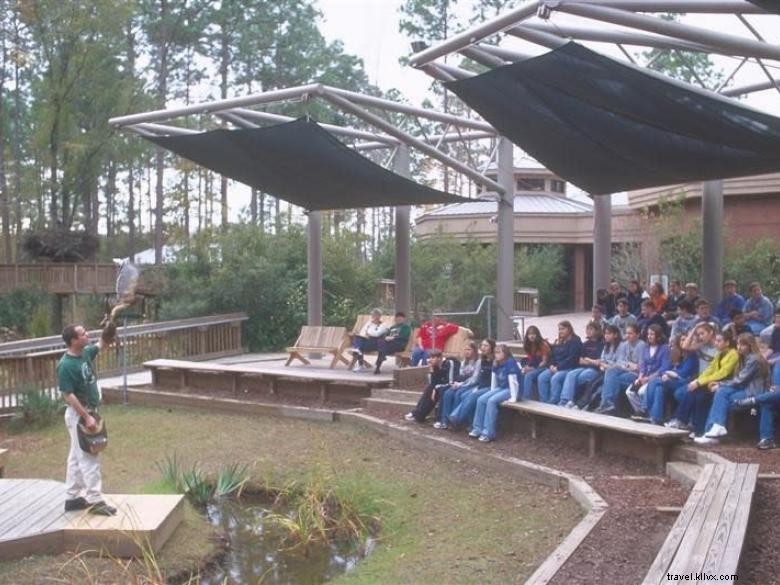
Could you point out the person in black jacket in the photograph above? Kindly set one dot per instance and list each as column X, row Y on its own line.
column 441, row 374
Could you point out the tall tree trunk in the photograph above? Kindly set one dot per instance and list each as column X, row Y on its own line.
column 110, row 206
column 5, row 203
column 224, row 65
column 200, row 199
column 253, row 207
column 131, row 212
column 162, row 96
column 17, row 140
column 278, row 216
column 149, row 201
column 261, row 212
column 186, row 204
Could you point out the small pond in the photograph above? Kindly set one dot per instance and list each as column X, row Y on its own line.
column 258, row 553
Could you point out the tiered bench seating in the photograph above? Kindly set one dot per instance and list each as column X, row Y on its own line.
column 597, row 425
column 709, row 533
column 316, row 339
column 181, row 375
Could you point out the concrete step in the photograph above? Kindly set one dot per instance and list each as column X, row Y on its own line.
column 395, row 394
column 399, row 407
column 684, row 472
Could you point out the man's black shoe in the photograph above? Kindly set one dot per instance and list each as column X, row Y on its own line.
column 766, row 444
column 76, row 504
column 101, row 509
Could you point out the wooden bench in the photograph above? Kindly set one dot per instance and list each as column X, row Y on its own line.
column 180, row 374
column 387, row 321
column 3, row 461
column 453, row 347
column 316, row 339
column 661, row 438
column 709, row 533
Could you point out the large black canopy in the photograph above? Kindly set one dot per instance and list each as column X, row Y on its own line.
column 607, row 126
column 302, row 163
column 768, row 5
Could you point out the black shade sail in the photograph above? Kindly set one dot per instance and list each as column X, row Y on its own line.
column 768, row 5
column 302, row 163
column 607, row 126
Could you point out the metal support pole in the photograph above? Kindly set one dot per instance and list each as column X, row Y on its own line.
column 124, row 360
column 506, row 241
column 712, row 240
column 602, row 241
column 736, row 45
column 314, row 268
column 403, row 261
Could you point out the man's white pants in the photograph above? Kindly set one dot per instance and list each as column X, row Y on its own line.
column 83, row 474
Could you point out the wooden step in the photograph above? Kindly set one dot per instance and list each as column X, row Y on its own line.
column 683, row 472
column 399, row 407
column 395, row 395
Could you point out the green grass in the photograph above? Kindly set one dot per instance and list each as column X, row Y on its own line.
column 442, row 520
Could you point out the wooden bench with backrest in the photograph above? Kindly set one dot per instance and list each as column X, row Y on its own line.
column 319, row 339
column 661, row 438
column 453, row 347
column 180, row 373
column 361, row 320
column 708, row 535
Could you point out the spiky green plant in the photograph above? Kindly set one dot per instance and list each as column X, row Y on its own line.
column 196, row 485
column 170, row 469
column 230, row 479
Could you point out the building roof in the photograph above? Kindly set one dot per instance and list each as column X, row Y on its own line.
column 525, row 204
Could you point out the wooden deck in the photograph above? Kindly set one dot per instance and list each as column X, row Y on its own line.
column 269, row 377
column 33, row 521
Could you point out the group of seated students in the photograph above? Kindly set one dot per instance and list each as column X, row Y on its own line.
column 671, row 353
column 375, row 336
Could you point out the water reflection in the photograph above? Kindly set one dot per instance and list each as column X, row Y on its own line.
column 257, row 553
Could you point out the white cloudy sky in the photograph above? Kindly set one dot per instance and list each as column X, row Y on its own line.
column 369, row 29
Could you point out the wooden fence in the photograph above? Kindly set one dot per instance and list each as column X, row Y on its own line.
column 59, row 278
column 32, row 363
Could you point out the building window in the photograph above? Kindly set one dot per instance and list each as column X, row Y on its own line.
column 558, row 186
column 530, row 184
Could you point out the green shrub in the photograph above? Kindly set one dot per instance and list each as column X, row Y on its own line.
column 40, row 322
column 18, row 306
column 37, row 409
column 749, row 261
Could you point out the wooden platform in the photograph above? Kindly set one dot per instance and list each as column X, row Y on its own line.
column 240, row 379
column 33, row 521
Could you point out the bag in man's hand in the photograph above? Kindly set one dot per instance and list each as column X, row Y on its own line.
column 92, row 441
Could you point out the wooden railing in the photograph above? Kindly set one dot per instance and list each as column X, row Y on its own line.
column 527, row 302
column 32, row 363
column 59, row 278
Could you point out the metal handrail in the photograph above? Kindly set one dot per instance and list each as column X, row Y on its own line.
column 11, row 348
column 477, row 311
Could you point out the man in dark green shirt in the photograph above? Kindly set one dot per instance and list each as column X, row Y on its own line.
column 395, row 340
column 77, row 382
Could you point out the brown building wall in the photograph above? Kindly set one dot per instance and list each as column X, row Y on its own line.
column 747, row 218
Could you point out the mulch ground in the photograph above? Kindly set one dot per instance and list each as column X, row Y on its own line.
column 760, row 563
